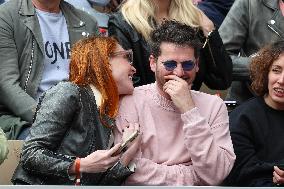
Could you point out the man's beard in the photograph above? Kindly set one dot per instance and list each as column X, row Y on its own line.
column 160, row 81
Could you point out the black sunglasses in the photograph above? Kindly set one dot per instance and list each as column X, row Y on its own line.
column 187, row 65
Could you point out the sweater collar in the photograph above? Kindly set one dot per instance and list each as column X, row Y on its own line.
column 162, row 101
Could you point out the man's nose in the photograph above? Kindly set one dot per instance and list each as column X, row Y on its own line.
column 178, row 71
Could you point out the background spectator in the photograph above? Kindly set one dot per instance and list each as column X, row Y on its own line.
column 257, row 125
column 34, row 55
column 133, row 24
column 249, row 25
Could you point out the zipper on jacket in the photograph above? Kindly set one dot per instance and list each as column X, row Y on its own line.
column 210, row 50
column 273, row 30
column 30, row 66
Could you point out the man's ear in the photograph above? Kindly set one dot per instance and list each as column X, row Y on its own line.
column 153, row 64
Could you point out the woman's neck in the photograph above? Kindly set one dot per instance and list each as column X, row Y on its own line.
column 97, row 94
column 163, row 9
column 271, row 103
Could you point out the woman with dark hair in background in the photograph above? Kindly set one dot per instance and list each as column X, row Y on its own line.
column 257, row 127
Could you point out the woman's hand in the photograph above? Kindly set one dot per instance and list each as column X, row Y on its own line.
column 278, row 176
column 99, row 161
column 206, row 24
column 133, row 147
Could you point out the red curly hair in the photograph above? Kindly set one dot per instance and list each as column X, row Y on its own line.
column 261, row 65
column 90, row 65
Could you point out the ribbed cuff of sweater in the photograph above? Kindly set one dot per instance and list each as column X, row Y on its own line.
column 191, row 117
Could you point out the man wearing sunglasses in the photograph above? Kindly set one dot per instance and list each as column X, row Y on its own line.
column 185, row 134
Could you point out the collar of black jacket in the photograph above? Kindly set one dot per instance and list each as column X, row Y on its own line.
column 271, row 4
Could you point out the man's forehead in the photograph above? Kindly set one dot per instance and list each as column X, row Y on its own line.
column 172, row 49
column 168, row 45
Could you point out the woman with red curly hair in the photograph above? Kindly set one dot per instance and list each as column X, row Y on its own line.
column 257, row 126
column 71, row 138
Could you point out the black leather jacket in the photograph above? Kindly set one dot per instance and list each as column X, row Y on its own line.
column 215, row 67
column 249, row 25
column 67, row 126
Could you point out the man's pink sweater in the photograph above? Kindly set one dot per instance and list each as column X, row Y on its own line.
column 193, row 148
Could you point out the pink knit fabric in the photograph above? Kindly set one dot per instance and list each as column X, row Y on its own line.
column 193, row 148
column 281, row 5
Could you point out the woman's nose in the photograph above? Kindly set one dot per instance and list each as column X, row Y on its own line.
column 133, row 69
column 281, row 78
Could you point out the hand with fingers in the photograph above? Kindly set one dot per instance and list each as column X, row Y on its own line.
column 179, row 91
column 132, row 147
column 278, row 176
column 99, row 161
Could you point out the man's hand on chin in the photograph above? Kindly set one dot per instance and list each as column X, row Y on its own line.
column 179, row 91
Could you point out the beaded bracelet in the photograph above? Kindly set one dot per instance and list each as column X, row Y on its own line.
column 77, row 171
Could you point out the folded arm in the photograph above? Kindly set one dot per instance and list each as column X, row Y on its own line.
column 209, row 146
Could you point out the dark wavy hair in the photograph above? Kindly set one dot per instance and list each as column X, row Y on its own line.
column 261, row 64
column 172, row 31
column 90, row 65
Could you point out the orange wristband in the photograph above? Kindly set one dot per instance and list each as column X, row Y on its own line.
column 77, row 171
